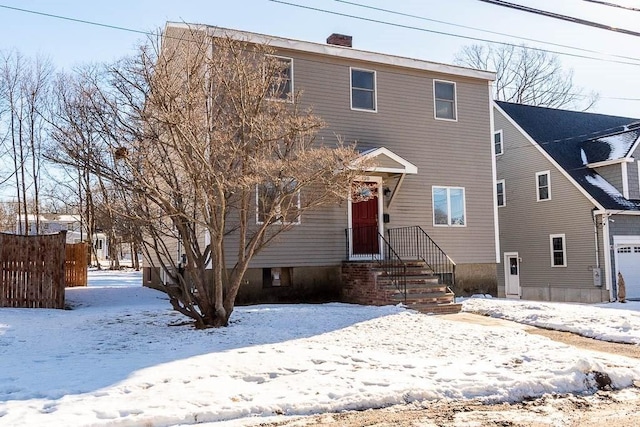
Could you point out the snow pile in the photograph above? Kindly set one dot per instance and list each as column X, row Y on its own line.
column 615, row 322
column 114, row 360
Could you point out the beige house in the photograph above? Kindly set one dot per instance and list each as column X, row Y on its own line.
column 568, row 191
column 428, row 129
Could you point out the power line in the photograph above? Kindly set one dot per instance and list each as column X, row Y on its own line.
column 561, row 17
column 605, row 3
column 408, row 15
column 81, row 21
column 411, row 27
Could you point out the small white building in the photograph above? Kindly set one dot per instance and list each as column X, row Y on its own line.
column 71, row 223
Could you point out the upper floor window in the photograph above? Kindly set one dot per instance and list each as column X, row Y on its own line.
column 278, row 203
column 444, row 94
column 543, row 186
column 363, row 90
column 497, row 142
column 449, row 206
column 500, row 192
column 558, row 250
column 282, row 86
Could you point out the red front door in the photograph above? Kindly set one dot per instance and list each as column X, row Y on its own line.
column 364, row 222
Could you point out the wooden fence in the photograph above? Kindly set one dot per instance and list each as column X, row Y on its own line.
column 76, row 264
column 32, row 270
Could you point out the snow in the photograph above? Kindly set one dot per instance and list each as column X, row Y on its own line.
column 583, row 156
column 121, row 356
column 619, row 144
column 600, row 182
column 614, row 322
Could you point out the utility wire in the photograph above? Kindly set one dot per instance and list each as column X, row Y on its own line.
column 408, row 15
column 411, row 27
column 561, row 17
column 606, row 3
column 81, row 21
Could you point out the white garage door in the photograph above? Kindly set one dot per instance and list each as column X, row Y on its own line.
column 629, row 266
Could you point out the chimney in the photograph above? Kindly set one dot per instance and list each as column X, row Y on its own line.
column 339, row 40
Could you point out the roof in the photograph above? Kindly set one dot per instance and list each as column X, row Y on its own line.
column 339, row 51
column 577, row 141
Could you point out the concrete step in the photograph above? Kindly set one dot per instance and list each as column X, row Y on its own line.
column 418, row 288
column 452, row 308
column 425, row 298
column 409, row 280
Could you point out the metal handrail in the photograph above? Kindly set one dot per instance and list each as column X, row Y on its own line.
column 373, row 246
column 414, row 243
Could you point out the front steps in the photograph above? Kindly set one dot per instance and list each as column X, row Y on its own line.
column 368, row 283
column 424, row 292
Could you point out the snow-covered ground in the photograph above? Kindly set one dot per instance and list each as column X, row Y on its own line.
column 122, row 357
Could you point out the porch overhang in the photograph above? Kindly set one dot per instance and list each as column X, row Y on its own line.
column 386, row 163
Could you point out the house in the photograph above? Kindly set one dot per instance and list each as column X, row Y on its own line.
column 427, row 128
column 52, row 223
column 568, row 190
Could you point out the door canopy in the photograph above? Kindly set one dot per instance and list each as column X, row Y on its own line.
column 384, row 162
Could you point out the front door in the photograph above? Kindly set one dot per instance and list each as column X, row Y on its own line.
column 512, row 275
column 364, row 224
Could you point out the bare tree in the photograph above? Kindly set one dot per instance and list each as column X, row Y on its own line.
column 196, row 137
column 25, row 93
column 527, row 76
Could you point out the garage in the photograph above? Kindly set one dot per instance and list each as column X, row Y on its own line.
column 628, row 262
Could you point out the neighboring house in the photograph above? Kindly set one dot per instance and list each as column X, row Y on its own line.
column 568, row 190
column 54, row 223
column 427, row 128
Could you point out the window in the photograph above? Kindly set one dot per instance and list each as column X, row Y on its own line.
column 363, row 90
column 543, row 185
column 444, row 94
column 282, row 86
column 558, row 250
column 500, row 192
column 278, row 203
column 497, row 142
column 449, row 206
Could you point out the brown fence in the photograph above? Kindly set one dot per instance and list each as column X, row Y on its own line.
column 76, row 264
column 32, row 270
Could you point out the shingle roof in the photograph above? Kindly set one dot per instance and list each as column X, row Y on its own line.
column 574, row 139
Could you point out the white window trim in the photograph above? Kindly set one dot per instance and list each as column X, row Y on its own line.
column 455, row 101
column 464, row 206
column 291, row 88
column 375, row 90
column 504, row 193
column 498, row 132
column 564, row 249
column 548, row 173
column 258, row 222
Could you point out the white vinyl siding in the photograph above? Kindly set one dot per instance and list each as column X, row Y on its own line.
column 558, row 248
column 543, row 186
column 444, row 96
column 449, row 206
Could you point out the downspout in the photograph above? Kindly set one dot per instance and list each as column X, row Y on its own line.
column 607, row 254
column 595, row 235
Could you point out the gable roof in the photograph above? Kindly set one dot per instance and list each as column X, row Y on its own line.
column 337, row 51
column 575, row 140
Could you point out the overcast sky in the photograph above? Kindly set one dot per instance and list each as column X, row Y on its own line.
column 67, row 42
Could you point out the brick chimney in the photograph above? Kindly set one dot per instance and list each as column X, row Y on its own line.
column 339, row 40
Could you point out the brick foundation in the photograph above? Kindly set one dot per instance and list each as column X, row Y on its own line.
column 359, row 284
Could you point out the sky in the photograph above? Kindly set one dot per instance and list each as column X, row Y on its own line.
column 69, row 43
column 121, row 356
